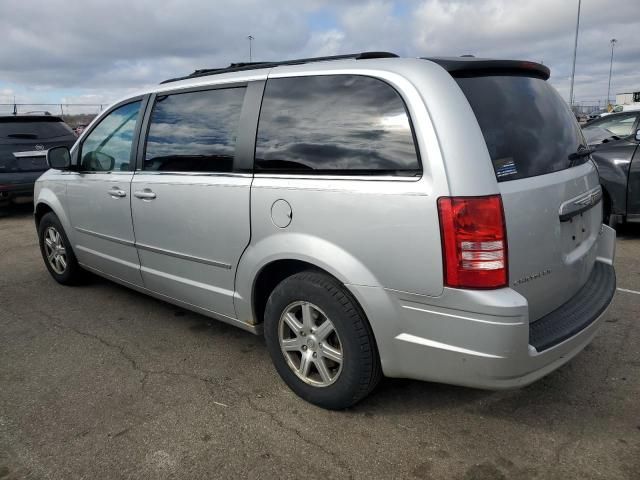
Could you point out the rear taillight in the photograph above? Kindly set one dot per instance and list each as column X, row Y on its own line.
column 474, row 241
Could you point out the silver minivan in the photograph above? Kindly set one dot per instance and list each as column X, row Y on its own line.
column 436, row 219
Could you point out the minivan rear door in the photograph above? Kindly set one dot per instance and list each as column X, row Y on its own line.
column 190, row 193
column 550, row 188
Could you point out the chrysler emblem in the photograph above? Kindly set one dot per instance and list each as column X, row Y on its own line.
column 590, row 198
column 580, row 204
column 39, row 147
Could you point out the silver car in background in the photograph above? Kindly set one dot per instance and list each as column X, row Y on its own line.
column 437, row 219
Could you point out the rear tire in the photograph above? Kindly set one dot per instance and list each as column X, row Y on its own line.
column 320, row 341
column 56, row 251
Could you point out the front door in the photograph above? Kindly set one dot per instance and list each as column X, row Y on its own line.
column 99, row 196
column 190, row 204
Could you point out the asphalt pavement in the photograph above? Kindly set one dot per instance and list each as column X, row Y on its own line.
column 98, row 381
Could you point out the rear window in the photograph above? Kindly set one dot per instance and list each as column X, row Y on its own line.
column 528, row 128
column 32, row 129
column 334, row 124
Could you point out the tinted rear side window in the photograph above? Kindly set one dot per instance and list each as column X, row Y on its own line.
column 25, row 128
column 337, row 124
column 194, row 132
column 528, row 128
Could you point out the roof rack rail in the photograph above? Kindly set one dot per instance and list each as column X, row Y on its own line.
column 241, row 66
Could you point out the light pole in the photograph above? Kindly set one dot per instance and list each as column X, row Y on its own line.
column 575, row 51
column 250, row 39
column 613, row 42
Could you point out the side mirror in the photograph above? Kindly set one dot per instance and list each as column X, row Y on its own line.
column 638, row 136
column 98, row 162
column 59, row 158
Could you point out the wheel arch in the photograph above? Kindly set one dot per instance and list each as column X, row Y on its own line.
column 47, row 201
column 270, row 276
column 265, row 264
column 41, row 210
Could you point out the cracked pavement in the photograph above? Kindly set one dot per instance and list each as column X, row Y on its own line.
column 98, row 381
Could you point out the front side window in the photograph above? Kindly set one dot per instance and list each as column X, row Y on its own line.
column 194, row 131
column 109, row 146
column 334, row 124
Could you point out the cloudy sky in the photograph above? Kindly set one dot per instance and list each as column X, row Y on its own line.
column 94, row 51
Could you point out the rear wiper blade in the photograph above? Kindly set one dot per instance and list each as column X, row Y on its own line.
column 581, row 152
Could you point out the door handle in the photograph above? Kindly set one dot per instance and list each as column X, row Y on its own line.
column 145, row 194
column 117, row 193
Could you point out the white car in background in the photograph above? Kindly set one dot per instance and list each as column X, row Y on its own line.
column 620, row 109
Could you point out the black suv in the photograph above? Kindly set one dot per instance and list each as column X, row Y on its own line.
column 24, row 141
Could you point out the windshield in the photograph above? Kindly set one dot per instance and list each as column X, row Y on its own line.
column 596, row 135
column 611, row 126
column 528, row 128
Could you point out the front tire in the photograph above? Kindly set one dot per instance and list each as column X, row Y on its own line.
column 56, row 251
column 320, row 341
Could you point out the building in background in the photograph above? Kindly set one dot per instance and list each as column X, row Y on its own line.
column 628, row 98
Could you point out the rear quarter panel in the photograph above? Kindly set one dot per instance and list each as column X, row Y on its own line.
column 375, row 232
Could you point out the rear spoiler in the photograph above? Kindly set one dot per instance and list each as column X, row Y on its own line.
column 482, row 67
column 29, row 118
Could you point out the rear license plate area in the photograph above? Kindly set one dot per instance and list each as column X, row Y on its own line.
column 32, row 163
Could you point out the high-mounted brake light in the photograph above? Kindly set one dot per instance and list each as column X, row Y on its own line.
column 474, row 241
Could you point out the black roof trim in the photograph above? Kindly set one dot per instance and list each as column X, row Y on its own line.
column 477, row 67
column 238, row 67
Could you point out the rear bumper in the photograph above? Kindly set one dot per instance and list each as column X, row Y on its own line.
column 578, row 313
column 20, row 184
column 483, row 338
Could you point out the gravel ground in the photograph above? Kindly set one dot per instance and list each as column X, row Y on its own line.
column 99, row 381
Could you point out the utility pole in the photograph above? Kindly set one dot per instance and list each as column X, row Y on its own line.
column 575, row 51
column 613, row 42
column 250, row 40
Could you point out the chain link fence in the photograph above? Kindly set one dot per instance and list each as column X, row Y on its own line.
column 589, row 106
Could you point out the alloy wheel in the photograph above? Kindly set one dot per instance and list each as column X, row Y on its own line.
column 310, row 343
column 55, row 251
